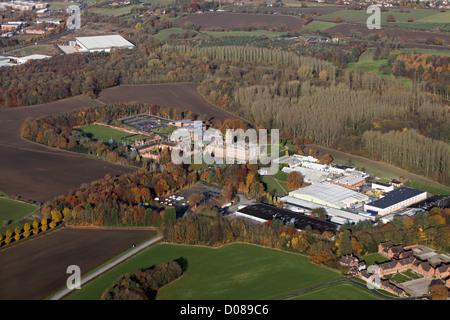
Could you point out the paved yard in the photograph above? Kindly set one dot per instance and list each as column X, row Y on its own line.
column 416, row 287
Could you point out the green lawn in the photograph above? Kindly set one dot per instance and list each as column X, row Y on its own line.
column 371, row 259
column 398, row 278
column 271, row 184
column 411, row 274
column 237, row 271
column 13, row 212
column 167, row 129
column 102, row 133
column 340, row 291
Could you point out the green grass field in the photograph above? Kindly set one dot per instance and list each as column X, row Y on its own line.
column 13, row 212
column 237, row 271
column 340, row 291
column 441, row 17
column 115, row 12
column 425, row 187
column 61, row 5
column 361, row 16
column 255, row 33
column 164, row 34
column 319, row 25
column 102, row 133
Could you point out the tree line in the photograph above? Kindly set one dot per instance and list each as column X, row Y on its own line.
column 409, row 149
column 144, row 284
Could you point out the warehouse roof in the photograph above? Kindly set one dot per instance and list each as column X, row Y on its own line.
column 330, row 193
column 104, row 42
column 349, row 180
column 267, row 212
column 335, row 214
column 395, row 196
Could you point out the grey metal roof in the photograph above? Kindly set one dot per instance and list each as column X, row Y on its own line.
column 104, row 42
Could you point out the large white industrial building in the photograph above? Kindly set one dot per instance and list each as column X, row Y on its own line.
column 330, row 195
column 103, row 43
column 335, row 215
column 96, row 44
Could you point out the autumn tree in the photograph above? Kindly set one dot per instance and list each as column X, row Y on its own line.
column 439, row 292
column 339, row 19
column 326, row 159
column 44, row 225
column 294, row 180
column 8, row 236
column 26, row 230
column 56, row 215
column 227, row 193
column 390, row 18
column 35, row 227
column 320, row 251
column 194, row 199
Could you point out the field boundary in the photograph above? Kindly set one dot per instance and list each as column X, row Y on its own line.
column 111, row 228
column 61, row 294
column 31, row 237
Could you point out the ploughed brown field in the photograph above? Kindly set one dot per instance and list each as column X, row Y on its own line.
column 408, row 35
column 240, row 20
column 39, row 173
column 36, row 268
column 182, row 96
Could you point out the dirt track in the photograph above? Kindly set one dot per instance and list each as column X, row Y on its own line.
column 36, row 268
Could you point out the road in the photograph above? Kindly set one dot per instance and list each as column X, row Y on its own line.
column 108, row 266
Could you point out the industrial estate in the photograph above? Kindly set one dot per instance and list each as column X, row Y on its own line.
column 127, row 153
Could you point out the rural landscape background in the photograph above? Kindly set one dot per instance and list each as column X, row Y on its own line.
column 75, row 190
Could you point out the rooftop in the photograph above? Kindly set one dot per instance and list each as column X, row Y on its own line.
column 395, row 196
column 268, row 212
column 104, row 42
column 330, row 193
